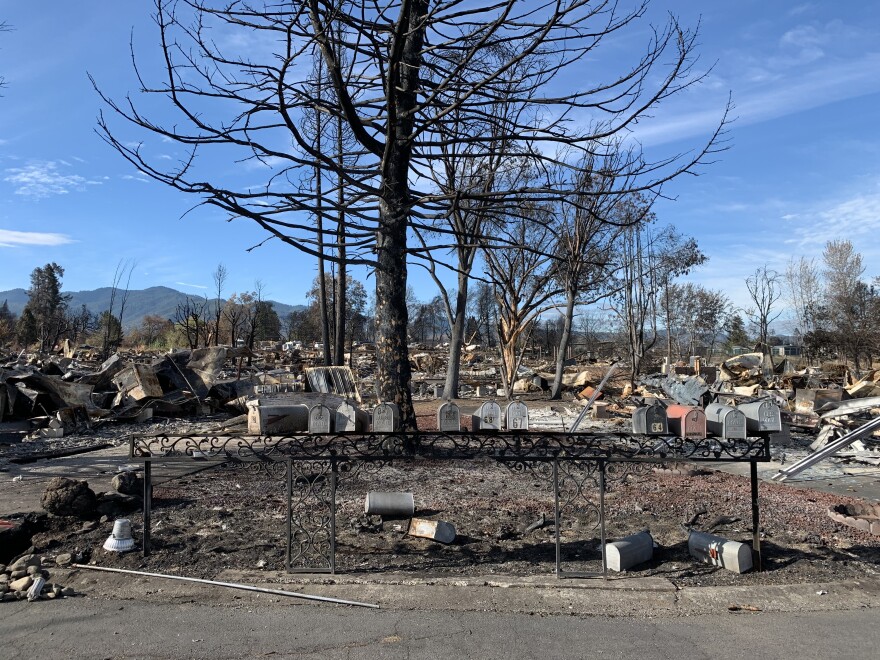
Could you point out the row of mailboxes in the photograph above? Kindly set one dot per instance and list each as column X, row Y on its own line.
column 683, row 421
column 385, row 418
column 694, row 423
column 488, row 417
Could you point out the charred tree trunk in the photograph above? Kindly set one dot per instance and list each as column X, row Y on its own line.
column 392, row 353
column 456, row 339
column 556, row 392
column 322, row 279
column 342, row 283
column 402, row 84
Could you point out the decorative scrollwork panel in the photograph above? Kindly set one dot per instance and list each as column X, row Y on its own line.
column 579, row 489
column 311, row 516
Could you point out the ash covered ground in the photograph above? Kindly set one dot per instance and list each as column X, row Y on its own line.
column 207, row 521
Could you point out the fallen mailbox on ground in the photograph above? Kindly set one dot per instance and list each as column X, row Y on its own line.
column 435, row 530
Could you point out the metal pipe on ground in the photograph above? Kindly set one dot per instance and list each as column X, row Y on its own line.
column 230, row 585
column 592, row 399
column 830, row 450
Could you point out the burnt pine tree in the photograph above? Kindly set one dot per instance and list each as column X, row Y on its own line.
column 44, row 318
column 397, row 70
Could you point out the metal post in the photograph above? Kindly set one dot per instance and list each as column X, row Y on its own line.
column 602, row 518
column 148, row 503
column 556, row 518
column 289, row 510
column 333, row 470
column 756, row 526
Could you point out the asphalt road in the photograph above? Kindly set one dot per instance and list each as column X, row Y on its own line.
column 92, row 628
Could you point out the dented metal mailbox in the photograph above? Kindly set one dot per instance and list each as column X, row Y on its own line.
column 762, row 416
column 725, row 421
column 686, row 422
column 650, row 420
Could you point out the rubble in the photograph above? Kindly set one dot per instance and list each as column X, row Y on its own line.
column 129, row 483
column 35, row 585
column 69, row 497
column 195, row 383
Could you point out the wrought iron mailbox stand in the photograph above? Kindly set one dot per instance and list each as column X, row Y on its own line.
column 312, row 465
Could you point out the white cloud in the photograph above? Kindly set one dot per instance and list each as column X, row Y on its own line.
column 786, row 96
column 856, row 218
column 43, row 178
column 266, row 162
column 11, row 238
column 191, row 286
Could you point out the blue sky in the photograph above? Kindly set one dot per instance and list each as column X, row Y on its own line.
column 804, row 166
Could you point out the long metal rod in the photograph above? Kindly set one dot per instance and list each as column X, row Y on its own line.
column 828, row 450
column 593, row 398
column 231, row 585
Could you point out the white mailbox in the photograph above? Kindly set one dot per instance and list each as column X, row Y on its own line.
column 449, row 417
column 386, row 418
column 516, row 416
column 487, row 417
column 319, row 419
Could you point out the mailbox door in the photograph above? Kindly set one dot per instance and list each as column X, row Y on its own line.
column 655, row 421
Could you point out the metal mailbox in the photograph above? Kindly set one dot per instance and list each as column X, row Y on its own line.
column 351, row 419
column 516, row 416
column 320, row 417
column 762, row 416
column 386, row 418
column 686, row 422
column 449, row 417
column 650, row 420
column 725, row 421
column 487, row 417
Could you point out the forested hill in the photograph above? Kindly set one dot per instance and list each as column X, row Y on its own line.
column 158, row 300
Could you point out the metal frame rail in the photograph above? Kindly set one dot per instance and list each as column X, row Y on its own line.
column 313, row 464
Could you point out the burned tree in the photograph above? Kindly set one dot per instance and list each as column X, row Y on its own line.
column 523, row 277
column 648, row 259
column 397, row 71
column 219, row 276
column 765, row 289
column 191, row 317
column 44, row 318
column 586, row 236
column 111, row 332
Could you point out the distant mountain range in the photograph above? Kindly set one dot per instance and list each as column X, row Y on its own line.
column 159, row 300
